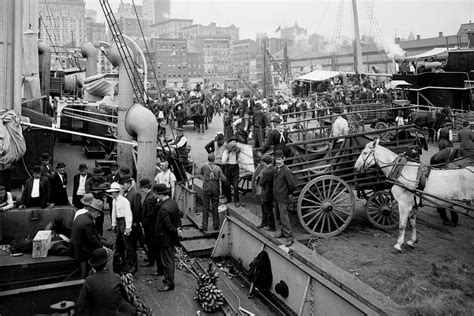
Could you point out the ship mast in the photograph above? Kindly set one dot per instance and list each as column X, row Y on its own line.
column 358, row 67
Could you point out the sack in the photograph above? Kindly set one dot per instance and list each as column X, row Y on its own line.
column 21, row 246
column 59, row 248
column 261, row 271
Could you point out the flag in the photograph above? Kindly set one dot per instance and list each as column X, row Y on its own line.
column 278, row 29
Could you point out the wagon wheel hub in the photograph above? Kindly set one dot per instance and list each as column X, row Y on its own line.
column 327, row 207
column 385, row 210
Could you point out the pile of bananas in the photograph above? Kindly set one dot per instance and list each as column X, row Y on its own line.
column 207, row 293
column 133, row 299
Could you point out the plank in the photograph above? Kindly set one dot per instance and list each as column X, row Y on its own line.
column 198, row 247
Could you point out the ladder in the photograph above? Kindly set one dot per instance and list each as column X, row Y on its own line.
column 124, row 51
column 268, row 89
column 277, row 66
column 249, row 85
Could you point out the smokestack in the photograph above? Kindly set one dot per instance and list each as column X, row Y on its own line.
column 440, row 34
column 418, row 37
column 397, row 40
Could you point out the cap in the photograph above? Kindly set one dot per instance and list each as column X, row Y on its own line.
column 36, row 169
column 89, row 200
column 99, row 257
column 83, row 167
column 61, row 165
column 125, row 179
column 114, row 187
column 98, row 171
column 276, row 119
column 161, row 188
column 278, row 154
column 178, row 129
column 267, row 159
column 45, row 156
column 145, row 182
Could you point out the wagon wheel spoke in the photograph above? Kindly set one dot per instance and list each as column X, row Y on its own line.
column 340, row 200
column 322, row 223
column 381, row 211
column 315, row 196
column 335, row 191
column 310, row 213
column 338, row 216
column 311, row 201
column 319, row 217
column 329, row 222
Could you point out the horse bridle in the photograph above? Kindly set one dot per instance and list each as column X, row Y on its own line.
column 372, row 151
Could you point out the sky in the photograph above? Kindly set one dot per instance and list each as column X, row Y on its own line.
column 424, row 17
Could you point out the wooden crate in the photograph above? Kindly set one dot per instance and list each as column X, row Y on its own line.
column 41, row 244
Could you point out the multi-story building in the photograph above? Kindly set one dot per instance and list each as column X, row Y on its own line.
column 156, row 11
column 216, row 58
column 63, row 22
column 172, row 28
column 171, row 61
column 198, row 30
column 95, row 31
column 242, row 52
column 293, row 32
column 253, row 71
column 128, row 22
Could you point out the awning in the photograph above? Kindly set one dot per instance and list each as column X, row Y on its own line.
column 397, row 83
column 319, row 75
column 437, row 51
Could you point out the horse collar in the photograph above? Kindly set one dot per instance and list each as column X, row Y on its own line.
column 399, row 163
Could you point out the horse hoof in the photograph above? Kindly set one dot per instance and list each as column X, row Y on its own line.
column 398, row 249
column 411, row 244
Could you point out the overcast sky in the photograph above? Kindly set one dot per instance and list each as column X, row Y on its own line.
column 400, row 17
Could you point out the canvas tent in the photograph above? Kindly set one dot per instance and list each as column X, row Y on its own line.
column 319, row 75
column 435, row 52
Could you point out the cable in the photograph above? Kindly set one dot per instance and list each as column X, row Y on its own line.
column 148, row 52
column 49, row 36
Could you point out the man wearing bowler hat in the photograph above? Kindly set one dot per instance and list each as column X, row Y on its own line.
column 284, row 185
column 58, row 182
column 103, row 292
column 167, row 233
column 79, row 185
column 148, row 218
column 84, row 236
column 37, row 190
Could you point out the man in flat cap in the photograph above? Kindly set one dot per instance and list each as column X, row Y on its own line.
column 278, row 137
column 79, row 185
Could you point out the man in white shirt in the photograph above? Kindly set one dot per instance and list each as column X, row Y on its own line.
column 79, row 185
column 167, row 177
column 122, row 219
column 340, row 127
column 6, row 200
column 36, row 192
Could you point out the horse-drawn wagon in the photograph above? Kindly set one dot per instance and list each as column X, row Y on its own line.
column 327, row 184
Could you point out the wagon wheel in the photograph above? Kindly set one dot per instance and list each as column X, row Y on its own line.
column 325, row 206
column 384, row 136
column 255, row 175
column 382, row 210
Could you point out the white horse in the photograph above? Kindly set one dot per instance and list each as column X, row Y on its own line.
column 455, row 184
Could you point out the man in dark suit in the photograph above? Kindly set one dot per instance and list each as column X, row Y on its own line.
column 58, row 182
column 466, row 137
column 135, row 200
column 46, row 167
column 167, row 233
column 37, row 191
column 79, row 185
column 103, row 292
column 149, row 219
column 84, row 236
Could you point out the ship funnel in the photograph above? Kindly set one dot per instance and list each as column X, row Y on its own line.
column 90, row 52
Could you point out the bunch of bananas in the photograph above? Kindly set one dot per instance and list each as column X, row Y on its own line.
column 133, row 299
column 208, row 294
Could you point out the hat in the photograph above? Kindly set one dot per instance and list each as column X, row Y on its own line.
column 101, row 187
column 61, row 165
column 231, row 138
column 267, row 159
column 89, row 200
column 45, row 156
column 161, row 188
column 278, row 154
column 36, row 169
column 178, row 129
column 124, row 170
column 99, row 257
column 282, row 289
column 220, row 136
column 114, row 187
column 98, row 205
column 83, row 167
column 276, row 119
column 145, row 182
column 337, row 109
column 98, row 171
column 125, row 179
